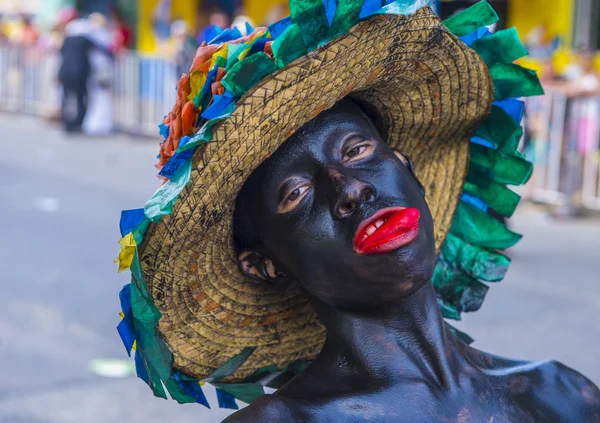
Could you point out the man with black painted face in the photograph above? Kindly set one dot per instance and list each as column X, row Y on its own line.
column 339, row 213
column 294, row 237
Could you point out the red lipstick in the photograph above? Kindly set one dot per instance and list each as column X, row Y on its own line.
column 387, row 230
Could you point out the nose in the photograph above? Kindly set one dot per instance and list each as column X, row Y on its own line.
column 350, row 193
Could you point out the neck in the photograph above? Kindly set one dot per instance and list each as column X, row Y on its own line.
column 408, row 339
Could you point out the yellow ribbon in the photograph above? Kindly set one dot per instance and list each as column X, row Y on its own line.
column 128, row 247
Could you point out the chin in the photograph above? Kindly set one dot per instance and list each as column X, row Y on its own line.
column 414, row 264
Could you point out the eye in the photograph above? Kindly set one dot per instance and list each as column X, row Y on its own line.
column 355, row 151
column 292, row 197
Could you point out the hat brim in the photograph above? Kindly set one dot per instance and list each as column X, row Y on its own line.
column 430, row 90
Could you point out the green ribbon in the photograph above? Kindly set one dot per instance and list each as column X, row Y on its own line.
column 478, row 228
column 501, row 130
column 247, row 73
column 498, row 167
column 233, row 54
column 497, row 196
column 288, row 46
column 205, row 134
column 403, row 7
column 156, row 356
column 230, row 366
column 478, row 262
column 471, row 19
column 501, row 47
column 140, row 231
column 310, row 17
column 513, row 81
column 472, row 297
column 161, row 203
column 246, row 392
column 449, row 311
column 346, row 16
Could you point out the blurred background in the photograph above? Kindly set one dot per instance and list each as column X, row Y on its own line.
column 83, row 86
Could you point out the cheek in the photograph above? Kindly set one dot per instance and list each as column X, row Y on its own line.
column 311, row 245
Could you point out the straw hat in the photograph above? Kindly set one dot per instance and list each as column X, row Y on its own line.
column 194, row 315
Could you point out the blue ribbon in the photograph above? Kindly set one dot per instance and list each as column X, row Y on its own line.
column 130, row 219
column 483, row 142
column 475, row 202
column 140, row 368
column 179, row 159
column 277, row 28
column 515, row 108
column 222, row 105
column 370, row 7
column 226, row 400
column 227, row 35
column 193, row 389
column 125, row 328
column 475, row 35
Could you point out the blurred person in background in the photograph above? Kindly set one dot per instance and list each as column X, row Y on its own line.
column 99, row 117
column 123, row 35
column 276, row 13
column 3, row 30
column 535, row 108
column 25, row 34
column 184, row 46
column 74, row 73
column 218, row 20
column 541, row 43
column 161, row 23
column 51, row 42
column 241, row 19
column 584, row 85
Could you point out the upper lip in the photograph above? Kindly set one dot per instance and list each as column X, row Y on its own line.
column 382, row 214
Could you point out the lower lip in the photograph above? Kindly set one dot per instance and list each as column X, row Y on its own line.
column 401, row 228
column 390, row 244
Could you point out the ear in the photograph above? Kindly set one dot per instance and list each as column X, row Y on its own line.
column 257, row 265
column 409, row 164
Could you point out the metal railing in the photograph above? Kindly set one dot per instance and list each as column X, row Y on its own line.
column 143, row 88
column 144, row 92
column 565, row 146
column 27, row 79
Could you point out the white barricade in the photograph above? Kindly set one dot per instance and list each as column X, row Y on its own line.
column 144, row 92
column 143, row 89
column 565, row 149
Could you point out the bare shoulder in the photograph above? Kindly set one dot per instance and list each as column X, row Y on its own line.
column 268, row 408
column 571, row 392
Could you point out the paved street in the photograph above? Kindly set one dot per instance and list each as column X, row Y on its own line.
column 60, row 201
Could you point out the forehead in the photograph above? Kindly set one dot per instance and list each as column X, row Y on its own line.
column 316, row 139
column 332, row 125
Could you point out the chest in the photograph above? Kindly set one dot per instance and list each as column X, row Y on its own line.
column 420, row 403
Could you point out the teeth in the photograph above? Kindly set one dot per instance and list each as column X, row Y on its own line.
column 372, row 228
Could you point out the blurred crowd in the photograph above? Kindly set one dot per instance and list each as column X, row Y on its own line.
column 565, row 123
column 177, row 40
column 24, row 32
column 87, row 46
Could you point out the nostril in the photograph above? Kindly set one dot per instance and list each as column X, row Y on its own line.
column 346, row 208
column 368, row 194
